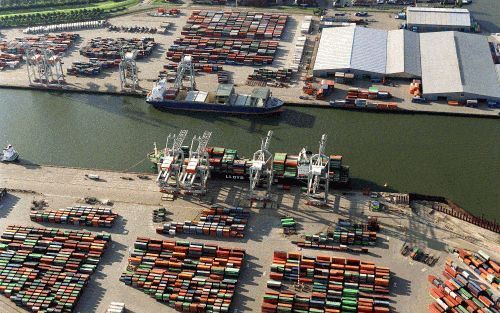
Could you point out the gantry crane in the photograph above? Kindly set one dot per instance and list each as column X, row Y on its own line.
column 303, row 163
column 318, row 176
column 195, row 174
column 172, row 161
column 128, row 70
column 44, row 67
column 185, row 67
column 261, row 169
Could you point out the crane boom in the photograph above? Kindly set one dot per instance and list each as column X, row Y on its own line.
column 185, row 67
column 195, row 174
column 261, row 168
column 179, row 140
column 172, row 161
column 318, row 175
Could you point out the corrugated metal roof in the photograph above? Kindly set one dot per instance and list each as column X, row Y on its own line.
column 335, row 47
column 455, row 62
column 440, row 68
column 372, row 51
column 403, row 52
column 395, row 52
column 369, row 50
column 412, row 53
column 437, row 16
column 476, row 65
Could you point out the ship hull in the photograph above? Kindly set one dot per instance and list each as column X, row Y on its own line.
column 212, row 107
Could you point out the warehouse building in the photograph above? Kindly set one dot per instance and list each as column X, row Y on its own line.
column 368, row 52
column 452, row 65
column 423, row 19
column 457, row 66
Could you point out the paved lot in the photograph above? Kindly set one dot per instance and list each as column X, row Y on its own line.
column 149, row 68
column 135, row 200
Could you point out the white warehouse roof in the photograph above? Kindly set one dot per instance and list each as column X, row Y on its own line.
column 448, row 62
column 455, row 62
column 368, row 50
column 438, row 16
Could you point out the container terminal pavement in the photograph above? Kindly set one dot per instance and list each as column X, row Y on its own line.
column 241, row 268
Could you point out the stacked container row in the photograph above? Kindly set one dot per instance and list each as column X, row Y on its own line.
column 371, row 93
column 91, row 68
column 110, row 48
column 215, row 222
column 223, row 51
column 263, row 74
column 45, row 269
column 344, row 233
column 460, row 293
column 483, row 265
column 57, row 43
column 235, row 25
column 79, row 215
column 65, row 26
column 189, row 277
column 298, row 52
column 338, row 285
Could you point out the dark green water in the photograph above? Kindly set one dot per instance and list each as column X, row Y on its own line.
column 450, row 156
column 487, row 13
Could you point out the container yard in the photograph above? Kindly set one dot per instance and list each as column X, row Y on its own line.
column 109, row 48
column 235, row 25
column 240, row 52
column 461, row 292
column 214, row 222
column 136, row 201
column 188, row 276
column 248, row 42
column 12, row 52
column 44, row 269
column 345, row 233
column 483, row 265
column 335, row 285
column 80, row 215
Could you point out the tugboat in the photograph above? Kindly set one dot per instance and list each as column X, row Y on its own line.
column 9, row 154
column 224, row 100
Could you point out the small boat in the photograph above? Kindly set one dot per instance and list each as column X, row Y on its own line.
column 9, row 154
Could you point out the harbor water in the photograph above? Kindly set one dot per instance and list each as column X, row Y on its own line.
column 454, row 157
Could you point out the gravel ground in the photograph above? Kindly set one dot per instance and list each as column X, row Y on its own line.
column 135, row 200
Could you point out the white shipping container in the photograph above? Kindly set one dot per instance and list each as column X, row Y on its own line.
column 484, row 255
column 202, row 96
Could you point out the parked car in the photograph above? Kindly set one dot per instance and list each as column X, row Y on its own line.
column 361, row 13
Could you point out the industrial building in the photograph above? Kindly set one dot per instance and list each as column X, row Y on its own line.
column 452, row 65
column 368, row 52
column 424, row 19
column 457, row 66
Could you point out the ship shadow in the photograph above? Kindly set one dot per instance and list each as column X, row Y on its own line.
column 288, row 116
column 27, row 164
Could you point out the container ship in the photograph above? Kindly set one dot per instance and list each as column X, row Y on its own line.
column 287, row 168
column 224, row 100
